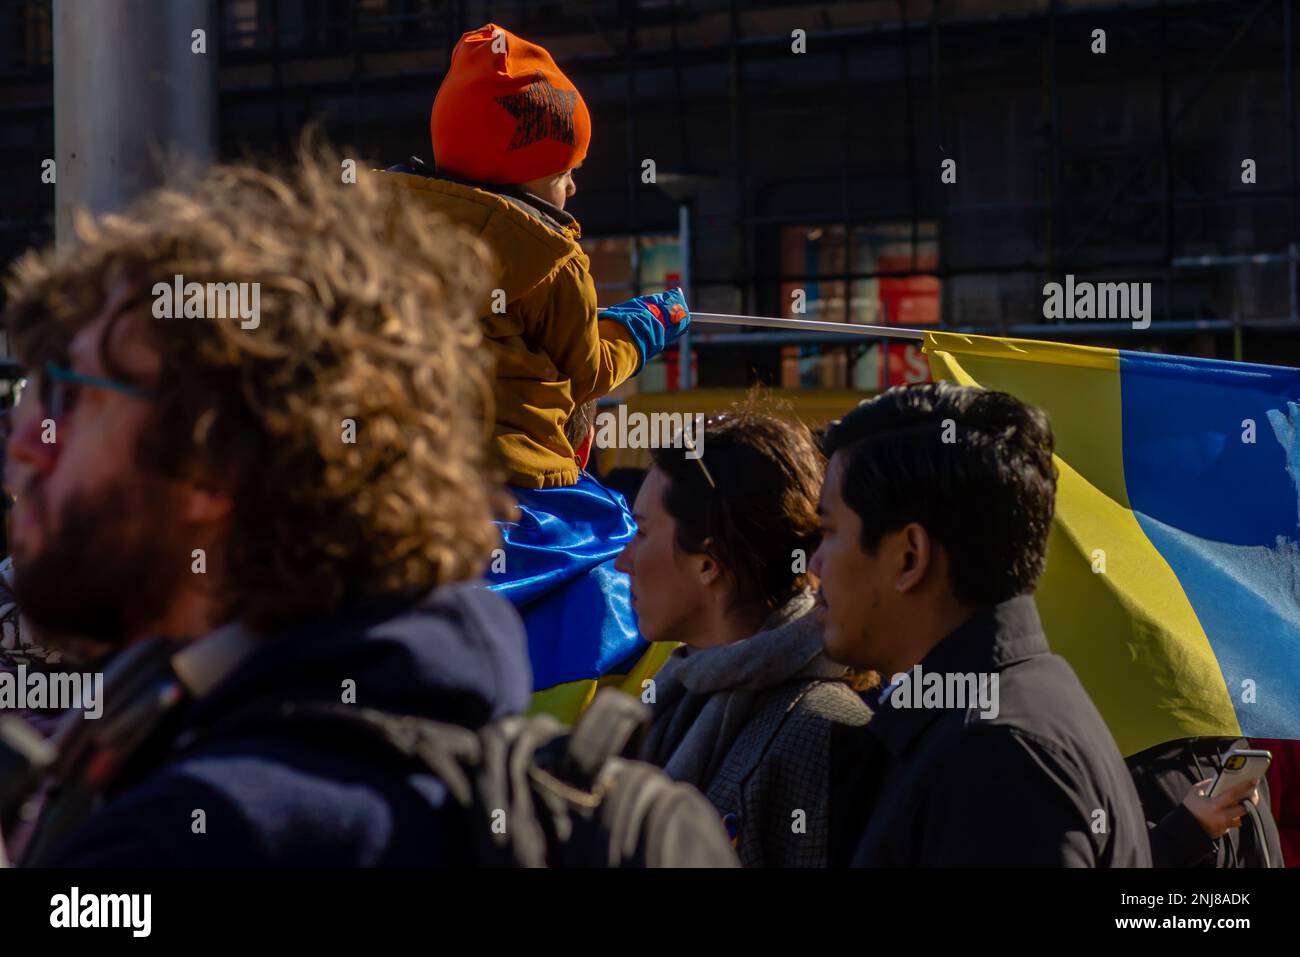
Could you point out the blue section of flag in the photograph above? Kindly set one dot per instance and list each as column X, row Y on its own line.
column 1185, row 461
column 1224, row 512
column 559, row 573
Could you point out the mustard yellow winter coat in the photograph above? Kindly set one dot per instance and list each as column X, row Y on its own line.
column 552, row 353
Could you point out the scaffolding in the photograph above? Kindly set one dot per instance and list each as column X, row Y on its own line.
column 661, row 71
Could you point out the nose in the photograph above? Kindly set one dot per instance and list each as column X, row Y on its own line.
column 624, row 561
column 815, row 564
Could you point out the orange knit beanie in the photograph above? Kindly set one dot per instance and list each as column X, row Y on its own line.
column 505, row 113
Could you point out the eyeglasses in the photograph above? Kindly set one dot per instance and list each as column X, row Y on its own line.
column 59, row 388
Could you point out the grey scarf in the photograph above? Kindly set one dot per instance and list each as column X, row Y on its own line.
column 704, row 697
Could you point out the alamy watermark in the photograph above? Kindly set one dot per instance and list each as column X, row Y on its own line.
column 650, row 430
column 950, row 690
column 38, row 690
column 209, row 300
column 133, row 912
column 1098, row 300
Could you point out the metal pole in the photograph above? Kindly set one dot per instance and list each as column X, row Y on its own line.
column 684, row 252
column 128, row 90
column 807, row 325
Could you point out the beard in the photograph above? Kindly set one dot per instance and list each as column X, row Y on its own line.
column 106, row 567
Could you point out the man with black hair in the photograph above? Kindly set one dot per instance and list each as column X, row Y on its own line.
column 984, row 749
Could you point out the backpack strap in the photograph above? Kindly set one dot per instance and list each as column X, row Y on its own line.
column 515, row 831
column 607, row 729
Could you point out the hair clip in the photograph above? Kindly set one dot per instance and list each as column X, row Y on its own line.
column 690, row 446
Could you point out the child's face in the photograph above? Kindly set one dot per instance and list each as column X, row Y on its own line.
column 554, row 189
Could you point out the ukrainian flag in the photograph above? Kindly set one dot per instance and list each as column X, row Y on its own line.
column 558, row 571
column 1173, row 567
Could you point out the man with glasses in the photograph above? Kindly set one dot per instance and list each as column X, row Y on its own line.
column 235, row 518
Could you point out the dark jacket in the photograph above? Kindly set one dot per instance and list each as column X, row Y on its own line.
column 457, row 656
column 750, row 725
column 1039, row 784
column 1163, row 776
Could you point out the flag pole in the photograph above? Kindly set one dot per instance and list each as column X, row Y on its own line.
column 807, row 325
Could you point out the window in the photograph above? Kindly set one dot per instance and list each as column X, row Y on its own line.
column 841, row 282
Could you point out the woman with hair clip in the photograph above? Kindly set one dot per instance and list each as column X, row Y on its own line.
column 746, row 708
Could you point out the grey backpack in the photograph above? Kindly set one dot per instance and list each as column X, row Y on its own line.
column 536, row 793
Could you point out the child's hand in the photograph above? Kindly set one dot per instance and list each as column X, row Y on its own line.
column 655, row 322
column 670, row 309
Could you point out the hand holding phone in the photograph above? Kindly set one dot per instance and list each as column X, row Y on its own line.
column 1219, row 803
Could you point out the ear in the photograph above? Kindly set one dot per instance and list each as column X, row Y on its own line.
column 707, row 569
column 915, row 554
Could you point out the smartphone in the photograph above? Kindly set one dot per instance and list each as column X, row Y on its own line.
column 1241, row 765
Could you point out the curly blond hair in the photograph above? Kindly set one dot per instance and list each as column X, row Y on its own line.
column 368, row 313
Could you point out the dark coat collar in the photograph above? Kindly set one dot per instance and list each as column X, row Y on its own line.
column 986, row 642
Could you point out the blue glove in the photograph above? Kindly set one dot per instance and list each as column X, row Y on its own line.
column 656, row 322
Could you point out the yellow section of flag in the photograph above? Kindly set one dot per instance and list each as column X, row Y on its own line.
column 1110, row 603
